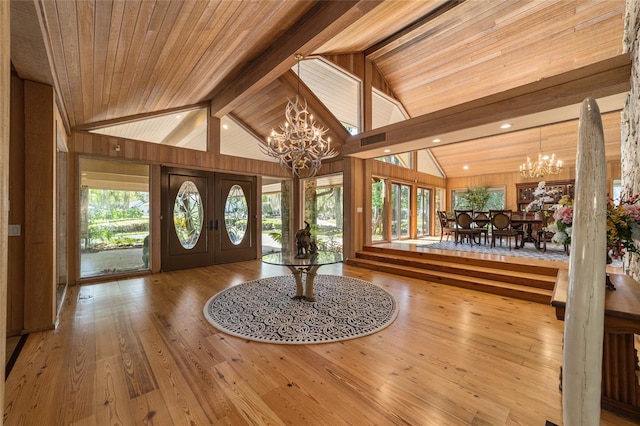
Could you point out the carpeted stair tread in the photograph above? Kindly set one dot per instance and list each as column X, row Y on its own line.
column 493, row 272
column 502, row 288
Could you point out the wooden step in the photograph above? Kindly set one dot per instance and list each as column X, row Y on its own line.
column 500, row 288
column 454, row 266
column 506, row 276
column 513, row 265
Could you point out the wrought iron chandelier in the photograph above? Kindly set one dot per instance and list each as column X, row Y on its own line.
column 300, row 146
column 544, row 166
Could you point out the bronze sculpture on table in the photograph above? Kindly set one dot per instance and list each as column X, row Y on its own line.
column 305, row 244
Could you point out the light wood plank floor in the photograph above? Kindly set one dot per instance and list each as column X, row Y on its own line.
column 139, row 351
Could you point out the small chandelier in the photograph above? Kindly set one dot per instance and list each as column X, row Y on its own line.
column 544, row 166
column 300, row 144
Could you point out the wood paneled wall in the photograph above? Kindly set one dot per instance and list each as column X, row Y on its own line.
column 15, row 254
column 508, row 181
column 5, row 121
column 40, row 276
column 88, row 144
column 379, row 168
column 355, row 183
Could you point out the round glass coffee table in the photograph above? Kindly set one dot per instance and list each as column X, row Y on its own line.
column 299, row 266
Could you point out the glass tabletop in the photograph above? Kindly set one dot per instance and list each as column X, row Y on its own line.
column 289, row 259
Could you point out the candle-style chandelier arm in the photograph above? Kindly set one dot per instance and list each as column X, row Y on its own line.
column 544, row 166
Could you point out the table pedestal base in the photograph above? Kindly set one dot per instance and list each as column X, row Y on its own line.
column 310, row 271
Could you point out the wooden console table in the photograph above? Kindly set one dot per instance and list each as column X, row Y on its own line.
column 620, row 388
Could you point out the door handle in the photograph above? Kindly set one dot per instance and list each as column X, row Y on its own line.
column 215, row 225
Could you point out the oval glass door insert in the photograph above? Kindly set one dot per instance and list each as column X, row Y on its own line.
column 188, row 214
column 236, row 214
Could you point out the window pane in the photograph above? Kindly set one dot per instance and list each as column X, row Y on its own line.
column 405, row 206
column 114, row 217
column 276, row 202
column 423, row 211
column 395, row 211
column 236, row 214
column 188, row 214
column 377, row 209
column 323, row 209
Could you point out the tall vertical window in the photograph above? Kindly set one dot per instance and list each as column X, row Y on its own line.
column 276, row 209
column 423, row 212
column 439, row 204
column 323, row 210
column 400, row 210
column 114, row 217
column 377, row 209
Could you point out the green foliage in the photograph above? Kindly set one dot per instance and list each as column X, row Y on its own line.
column 271, row 224
column 115, row 218
column 276, row 236
column 474, row 198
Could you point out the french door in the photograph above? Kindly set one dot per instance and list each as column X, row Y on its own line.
column 207, row 218
column 400, row 211
column 235, row 219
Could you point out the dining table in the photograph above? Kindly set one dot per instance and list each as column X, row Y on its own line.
column 528, row 221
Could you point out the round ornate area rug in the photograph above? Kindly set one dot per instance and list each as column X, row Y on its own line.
column 263, row 310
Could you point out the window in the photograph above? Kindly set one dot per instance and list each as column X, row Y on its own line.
column 495, row 201
column 323, row 210
column 423, row 212
column 377, row 209
column 403, row 160
column 185, row 129
column 114, row 217
column 400, row 210
column 276, row 202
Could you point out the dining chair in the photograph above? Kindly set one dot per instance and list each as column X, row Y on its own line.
column 445, row 228
column 482, row 222
column 464, row 227
column 544, row 234
column 501, row 227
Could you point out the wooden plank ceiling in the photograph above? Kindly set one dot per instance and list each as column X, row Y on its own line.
column 113, row 61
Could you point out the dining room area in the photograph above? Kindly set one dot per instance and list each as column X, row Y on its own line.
column 498, row 228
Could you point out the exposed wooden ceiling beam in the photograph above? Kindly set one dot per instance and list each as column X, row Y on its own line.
column 597, row 80
column 411, row 31
column 323, row 21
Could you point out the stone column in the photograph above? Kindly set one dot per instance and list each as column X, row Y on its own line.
column 630, row 127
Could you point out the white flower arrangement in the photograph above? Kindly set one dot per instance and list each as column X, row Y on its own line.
column 542, row 196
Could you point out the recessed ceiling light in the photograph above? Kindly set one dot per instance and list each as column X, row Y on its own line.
column 436, row 140
column 386, row 151
column 505, row 126
column 465, row 167
column 224, row 126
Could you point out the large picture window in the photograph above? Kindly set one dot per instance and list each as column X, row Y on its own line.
column 114, row 217
column 495, row 200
